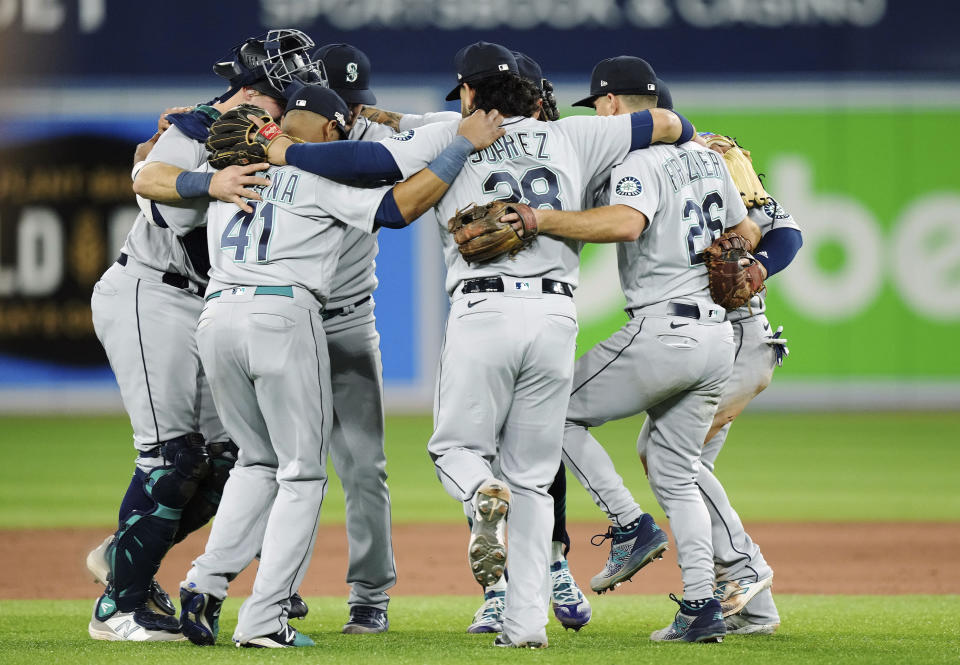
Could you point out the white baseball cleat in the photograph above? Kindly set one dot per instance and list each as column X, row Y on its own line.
column 141, row 625
column 487, row 551
column 735, row 594
column 738, row 624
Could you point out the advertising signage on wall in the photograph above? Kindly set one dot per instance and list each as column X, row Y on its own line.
column 100, row 38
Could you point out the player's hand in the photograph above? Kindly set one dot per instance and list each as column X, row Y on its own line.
column 163, row 124
column 143, row 149
column 233, row 184
column 277, row 150
column 779, row 345
column 523, row 227
column 482, row 128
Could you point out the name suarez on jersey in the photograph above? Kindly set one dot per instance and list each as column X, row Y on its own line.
column 513, row 145
column 692, row 165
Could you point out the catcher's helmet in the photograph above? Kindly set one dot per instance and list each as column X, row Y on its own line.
column 271, row 63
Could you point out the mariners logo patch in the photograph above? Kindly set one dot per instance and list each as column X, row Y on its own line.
column 628, row 186
column 403, row 136
column 773, row 210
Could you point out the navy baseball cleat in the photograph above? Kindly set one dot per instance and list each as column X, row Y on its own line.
column 570, row 606
column 631, row 548
column 700, row 621
column 287, row 637
column 365, row 619
column 199, row 616
column 298, row 607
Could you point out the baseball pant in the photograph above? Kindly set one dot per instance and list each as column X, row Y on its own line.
column 358, row 455
column 266, row 358
column 504, row 376
column 675, row 370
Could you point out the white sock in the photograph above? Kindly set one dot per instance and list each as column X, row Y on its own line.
column 557, row 552
column 499, row 585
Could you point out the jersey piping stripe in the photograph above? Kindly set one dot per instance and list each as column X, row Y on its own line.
column 727, row 528
column 570, row 461
column 143, row 358
column 612, row 360
column 740, row 344
column 443, row 347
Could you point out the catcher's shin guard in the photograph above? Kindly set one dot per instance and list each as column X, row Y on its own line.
column 203, row 506
column 145, row 535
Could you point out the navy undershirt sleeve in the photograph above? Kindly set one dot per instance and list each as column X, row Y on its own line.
column 777, row 249
column 360, row 162
column 388, row 214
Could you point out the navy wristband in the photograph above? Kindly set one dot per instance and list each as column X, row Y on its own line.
column 686, row 130
column 190, row 184
column 448, row 163
column 641, row 129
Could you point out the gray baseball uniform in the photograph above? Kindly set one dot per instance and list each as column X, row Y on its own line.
column 262, row 343
column 507, row 358
column 147, row 322
column 674, row 356
column 357, row 436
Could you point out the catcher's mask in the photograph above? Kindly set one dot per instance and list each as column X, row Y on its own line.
column 273, row 64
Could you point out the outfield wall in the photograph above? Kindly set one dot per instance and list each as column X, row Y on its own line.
column 871, row 305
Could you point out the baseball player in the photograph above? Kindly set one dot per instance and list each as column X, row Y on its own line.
column 270, row 277
column 743, row 577
column 547, row 165
column 145, row 309
column 672, row 359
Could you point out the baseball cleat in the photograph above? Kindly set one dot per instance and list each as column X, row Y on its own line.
column 631, row 548
column 504, row 641
column 489, row 618
column 733, row 595
column 365, row 620
column 298, row 607
column 738, row 624
column 487, row 551
column 700, row 624
column 97, row 563
column 287, row 637
column 199, row 615
column 570, row 606
column 141, row 625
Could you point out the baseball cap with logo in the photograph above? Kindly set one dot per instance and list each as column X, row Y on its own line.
column 348, row 70
column 322, row 101
column 623, row 75
column 480, row 61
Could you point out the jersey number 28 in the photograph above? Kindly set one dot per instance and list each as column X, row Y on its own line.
column 540, row 178
column 706, row 224
column 236, row 235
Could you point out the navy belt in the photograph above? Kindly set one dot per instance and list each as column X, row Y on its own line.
column 685, row 310
column 341, row 311
column 171, row 278
column 495, row 285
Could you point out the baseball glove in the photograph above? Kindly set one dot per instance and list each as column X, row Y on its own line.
column 235, row 140
column 733, row 272
column 482, row 237
column 741, row 170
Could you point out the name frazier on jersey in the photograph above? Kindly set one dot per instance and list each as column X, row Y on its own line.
column 692, row 165
column 513, row 145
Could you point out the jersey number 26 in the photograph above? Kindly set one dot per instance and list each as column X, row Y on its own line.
column 706, row 224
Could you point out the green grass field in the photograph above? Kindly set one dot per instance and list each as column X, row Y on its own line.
column 863, row 629
column 835, row 467
column 809, row 467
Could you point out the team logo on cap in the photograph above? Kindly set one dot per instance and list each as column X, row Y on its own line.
column 628, row 186
column 603, row 84
column 352, row 72
column 403, row 136
column 339, row 117
column 301, row 102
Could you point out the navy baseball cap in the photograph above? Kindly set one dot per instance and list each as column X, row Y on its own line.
column 529, row 69
column 623, row 75
column 322, row 101
column 480, row 61
column 348, row 71
column 664, row 98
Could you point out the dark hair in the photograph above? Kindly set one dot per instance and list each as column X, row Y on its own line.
column 507, row 93
column 550, row 111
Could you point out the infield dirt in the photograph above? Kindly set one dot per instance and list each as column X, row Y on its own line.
column 818, row 558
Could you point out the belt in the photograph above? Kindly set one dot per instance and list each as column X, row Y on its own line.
column 171, row 278
column 285, row 291
column 495, row 285
column 682, row 309
column 343, row 311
